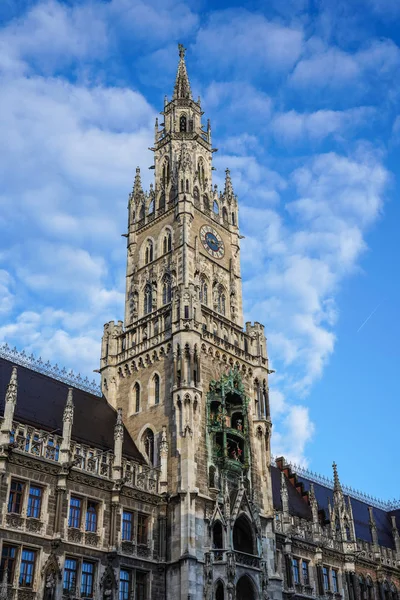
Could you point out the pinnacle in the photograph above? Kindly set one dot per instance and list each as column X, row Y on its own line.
column 182, row 84
column 11, row 393
column 336, row 483
column 137, row 186
column 228, row 190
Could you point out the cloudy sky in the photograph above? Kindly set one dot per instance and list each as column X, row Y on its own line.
column 303, row 97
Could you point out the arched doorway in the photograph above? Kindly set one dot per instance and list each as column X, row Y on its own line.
column 219, row 591
column 245, row 589
column 243, row 540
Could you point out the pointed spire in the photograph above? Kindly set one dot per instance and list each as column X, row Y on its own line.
column 69, row 406
column 336, row 483
column 11, row 393
column 182, row 84
column 68, row 418
column 228, row 190
column 137, row 191
column 119, row 428
column 118, row 442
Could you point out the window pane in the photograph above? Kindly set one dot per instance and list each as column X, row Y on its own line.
column 70, row 574
column 142, row 529
column 8, row 558
column 127, row 529
column 325, row 572
column 34, row 502
column 124, row 585
column 91, row 517
column 141, row 586
column 306, row 579
column 27, row 568
column 87, row 579
column 296, row 572
column 335, row 581
column 16, row 497
column 75, row 512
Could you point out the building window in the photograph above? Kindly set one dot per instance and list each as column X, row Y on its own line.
column 221, row 301
column 182, row 123
column 167, row 292
column 149, row 253
column 124, row 585
column 186, row 312
column 75, row 509
column 203, row 292
column 87, row 579
column 148, row 299
column 325, row 575
column 148, row 443
column 306, row 576
column 136, row 392
column 70, row 575
column 127, row 526
column 335, row 582
column 8, row 559
column 16, row 497
column 91, row 516
column 167, row 242
column 296, row 570
column 34, row 502
column 141, row 586
column 370, row 589
column 27, row 569
column 142, row 527
column 156, row 382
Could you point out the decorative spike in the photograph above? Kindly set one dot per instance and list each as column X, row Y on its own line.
column 137, row 191
column 228, row 190
column 69, row 407
column 336, row 483
column 182, row 84
column 11, row 393
column 119, row 428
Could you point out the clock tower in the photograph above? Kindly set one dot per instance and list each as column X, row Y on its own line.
column 190, row 377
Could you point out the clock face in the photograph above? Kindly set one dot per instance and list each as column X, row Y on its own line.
column 212, row 241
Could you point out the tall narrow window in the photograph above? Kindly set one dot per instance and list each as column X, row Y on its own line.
column 141, row 586
column 216, row 207
column 225, row 215
column 296, row 570
column 127, row 526
column 124, row 585
column 156, row 382
column 206, row 203
column 136, row 392
column 27, row 569
column 70, row 575
column 182, row 123
column 335, row 582
column 148, row 443
column 167, row 242
column 149, row 252
column 75, row 508
column 87, row 579
column 305, row 572
column 148, row 299
column 16, row 497
column 34, row 502
column 325, row 575
column 142, row 528
column 167, row 291
column 8, row 560
column 91, row 516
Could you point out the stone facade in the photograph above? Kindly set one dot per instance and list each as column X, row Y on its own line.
column 164, row 488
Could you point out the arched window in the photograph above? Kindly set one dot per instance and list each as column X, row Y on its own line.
column 203, row 291
column 165, row 173
column 148, row 299
column 211, row 477
column 217, row 536
column 361, row 584
column 242, row 536
column 187, row 185
column 219, row 591
column 167, row 292
column 216, row 207
column 156, row 384
column 151, row 206
column 224, row 215
column 221, row 303
column 233, row 219
column 148, row 444
column 136, row 395
column 149, row 252
column 196, row 196
column 182, row 123
column 202, row 173
column 370, row 589
column 142, row 212
column 161, row 202
column 167, row 242
column 347, row 531
column 206, row 203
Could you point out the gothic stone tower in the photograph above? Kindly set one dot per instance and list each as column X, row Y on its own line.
column 191, row 382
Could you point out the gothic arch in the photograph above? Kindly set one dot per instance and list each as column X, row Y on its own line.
column 219, row 590
column 148, row 251
column 243, row 538
column 154, row 394
column 201, row 172
column 135, row 398
column 166, row 238
column 204, row 289
column 183, row 123
column 148, row 443
column 246, row 588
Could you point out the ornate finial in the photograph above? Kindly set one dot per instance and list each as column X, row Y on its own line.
column 119, row 427
column 228, row 190
column 137, row 191
column 69, row 407
column 336, row 483
column 182, row 85
column 11, row 393
column 182, row 51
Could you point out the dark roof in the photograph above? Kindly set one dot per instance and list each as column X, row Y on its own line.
column 298, row 506
column 41, row 401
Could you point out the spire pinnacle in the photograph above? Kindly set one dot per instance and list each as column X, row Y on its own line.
column 182, row 84
column 228, row 190
column 137, row 191
column 336, row 483
column 11, row 393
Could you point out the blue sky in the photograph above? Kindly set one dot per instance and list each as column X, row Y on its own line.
column 303, row 98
